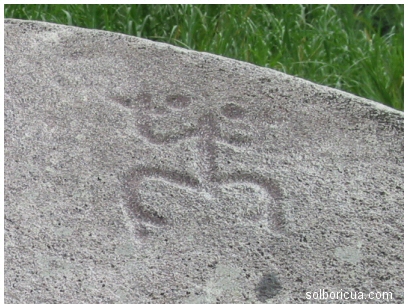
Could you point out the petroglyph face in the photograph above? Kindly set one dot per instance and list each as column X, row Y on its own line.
column 212, row 181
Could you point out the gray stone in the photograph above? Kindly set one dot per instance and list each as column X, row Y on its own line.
column 138, row 172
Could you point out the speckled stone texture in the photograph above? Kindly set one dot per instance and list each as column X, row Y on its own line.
column 138, row 172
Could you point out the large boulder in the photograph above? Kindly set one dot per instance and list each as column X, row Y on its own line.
column 139, row 172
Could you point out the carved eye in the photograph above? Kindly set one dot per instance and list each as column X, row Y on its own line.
column 178, row 101
column 233, row 111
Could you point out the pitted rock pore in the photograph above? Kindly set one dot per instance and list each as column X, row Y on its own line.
column 138, row 172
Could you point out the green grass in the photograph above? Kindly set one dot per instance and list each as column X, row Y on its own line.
column 355, row 48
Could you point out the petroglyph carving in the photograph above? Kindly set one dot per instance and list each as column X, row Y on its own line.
column 155, row 191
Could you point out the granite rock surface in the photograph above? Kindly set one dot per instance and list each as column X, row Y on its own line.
column 138, row 172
